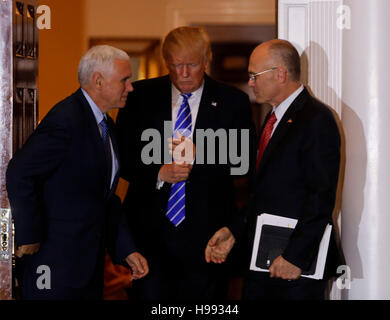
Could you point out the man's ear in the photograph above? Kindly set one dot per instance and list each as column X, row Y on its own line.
column 207, row 63
column 97, row 80
column 282, row 74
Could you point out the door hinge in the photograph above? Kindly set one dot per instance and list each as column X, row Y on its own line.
column 5, row 234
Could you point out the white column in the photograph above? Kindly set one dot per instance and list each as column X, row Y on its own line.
column 366, row 122
column 312, row 26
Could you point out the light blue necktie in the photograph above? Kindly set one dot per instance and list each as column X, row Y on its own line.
column 177, row 199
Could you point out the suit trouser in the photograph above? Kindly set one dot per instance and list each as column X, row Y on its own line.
column 58, row 290
column 164, row 285
column 263, row 287
column 178, row 271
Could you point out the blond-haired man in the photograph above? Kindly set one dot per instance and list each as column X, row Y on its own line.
column 180, row 205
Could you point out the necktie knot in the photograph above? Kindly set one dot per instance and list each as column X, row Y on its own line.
column 272, row 119
column 186, row 96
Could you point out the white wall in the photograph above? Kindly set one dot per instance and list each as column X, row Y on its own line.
column 366, row 116
column 311, row 25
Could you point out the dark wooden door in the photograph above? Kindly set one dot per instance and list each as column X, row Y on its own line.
column 18, row 110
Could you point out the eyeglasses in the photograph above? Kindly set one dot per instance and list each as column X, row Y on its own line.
column 252, row 76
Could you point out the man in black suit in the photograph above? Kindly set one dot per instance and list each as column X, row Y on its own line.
column 61, row 188
column 296, row 176
column 180, row 205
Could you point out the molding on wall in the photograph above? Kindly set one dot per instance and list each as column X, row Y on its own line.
column 311, row 26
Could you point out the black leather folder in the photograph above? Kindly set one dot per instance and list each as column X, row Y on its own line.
column 273, row 241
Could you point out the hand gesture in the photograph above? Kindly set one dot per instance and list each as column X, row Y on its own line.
column 219, row 246
column 174, row 173
column 138, row 265
column 182, row 149
column 27, row 249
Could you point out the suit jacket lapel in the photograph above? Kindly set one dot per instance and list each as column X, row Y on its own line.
column 163, row 111
column 96, row 138
column 208, row 107
column 282, row 129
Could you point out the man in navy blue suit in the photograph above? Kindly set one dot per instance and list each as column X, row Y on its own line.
column 181, row 205
column 296, row 176
column 61, row 188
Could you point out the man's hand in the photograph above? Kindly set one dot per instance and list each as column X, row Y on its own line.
column 174, row 173
column 138, row 264
column 182, row 149
column 27, row 249
column 281, row 268
column 219, row 246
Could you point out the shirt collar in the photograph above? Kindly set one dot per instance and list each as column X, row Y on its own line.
column 176, row 92
column 95, row 109
column 282, row 108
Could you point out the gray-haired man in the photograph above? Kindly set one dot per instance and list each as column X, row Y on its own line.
column 61, row 188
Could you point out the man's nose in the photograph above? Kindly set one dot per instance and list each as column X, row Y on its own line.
column 185, row 71
column 129, row 87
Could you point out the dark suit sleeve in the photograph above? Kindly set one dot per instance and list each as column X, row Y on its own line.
column 246, row 135
column 320, row 165
column 126, row 132
column 244, row 121
column 129, row 125
column 120, row 242
column 39, row 157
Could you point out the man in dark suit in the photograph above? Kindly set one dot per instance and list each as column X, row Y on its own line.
column 61, row 188
column 296, row 176
column 180, row 204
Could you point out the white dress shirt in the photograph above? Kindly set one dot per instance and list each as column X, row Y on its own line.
column 281, row 109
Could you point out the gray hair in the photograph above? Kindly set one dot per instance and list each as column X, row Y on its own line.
column 288, row 55
column 99, row 59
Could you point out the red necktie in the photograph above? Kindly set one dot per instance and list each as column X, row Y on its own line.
column 265, row 136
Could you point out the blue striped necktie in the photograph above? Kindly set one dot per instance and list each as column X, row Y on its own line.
column 177, row 199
